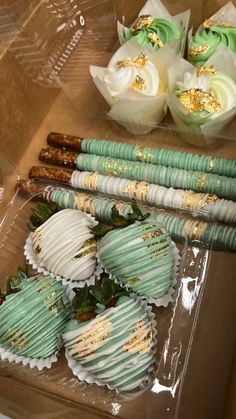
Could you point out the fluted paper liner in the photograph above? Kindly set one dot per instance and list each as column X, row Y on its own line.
column 224, row 61
column 137, row 112
column 32, row 259
column 39, row 363
column 156, row 9
column 83, row 375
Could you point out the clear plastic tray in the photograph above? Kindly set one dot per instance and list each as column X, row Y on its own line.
column 176, row 329
column 57, row 41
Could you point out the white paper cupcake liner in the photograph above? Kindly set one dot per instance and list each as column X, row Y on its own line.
column 39, row 363
column 83, row 375
column 32, row 259
column 162, row 300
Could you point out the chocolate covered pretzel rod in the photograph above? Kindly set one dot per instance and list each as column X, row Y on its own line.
column 222, row 186
column 212, row 235
column 153, row 155
column 58, row 157
column 198, row 204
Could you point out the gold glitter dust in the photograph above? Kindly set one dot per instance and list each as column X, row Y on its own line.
column 84, row 203
column 209, row 23
column 90, row 181
column 140, row 340
column 139, row 62
column 138, row 84
column 93, row 335
column 155, row 40
column 196, row 100
column 201, row 49
column 142, row 22
column 209, row 69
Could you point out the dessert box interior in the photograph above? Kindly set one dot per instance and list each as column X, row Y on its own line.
column 181, row 334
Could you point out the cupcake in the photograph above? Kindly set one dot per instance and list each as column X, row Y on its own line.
column 115, row 347
column 156, row 28
column 203, row 100
column 135, row 85
column 32, row 321
column 218, row 30
column 64, row 246
column 141, row 257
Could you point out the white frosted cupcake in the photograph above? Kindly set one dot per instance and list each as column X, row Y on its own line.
column 135, row 85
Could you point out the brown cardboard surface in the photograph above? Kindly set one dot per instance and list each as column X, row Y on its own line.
column 211, row 354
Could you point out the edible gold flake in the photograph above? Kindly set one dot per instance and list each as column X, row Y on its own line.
column 139, row 62
column 138, row 84
column 115, row 168
column 142, row 22
column 16, row 338
column 201, row 49
column 90, row 181
column 209, row 23
column 211, row 165
column 195, row 229
column 138, row 190
column 120, row 206
column 202, row 181
column 197, row 201
column 155, row 40
column 209, row 69
column 196, row 100
column 140, row 340
column 49, row 302
column 97, row 331
column 89, row 247
column 139, row 153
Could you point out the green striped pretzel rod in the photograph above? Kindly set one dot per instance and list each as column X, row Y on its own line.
column 153, row 155
column 215, row 236
column 222, row 186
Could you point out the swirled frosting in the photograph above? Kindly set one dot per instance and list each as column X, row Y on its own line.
column 65, row 245
column 32, row 320
column 206, row 96
column 143, row 78
column 116, row 349
column 206, row 41
column 159, row 33
column 140, row 256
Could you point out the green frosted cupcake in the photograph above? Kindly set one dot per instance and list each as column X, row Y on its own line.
column 112, row 340
column 154, row 32
column 208, row 38
column 31, row 323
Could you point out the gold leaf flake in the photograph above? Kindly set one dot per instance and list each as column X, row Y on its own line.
column 196, row 100
column 138, row 84
column 142, row 22
column 155, row 40
column 209, row 69
column 201, row 49
column 138, row 62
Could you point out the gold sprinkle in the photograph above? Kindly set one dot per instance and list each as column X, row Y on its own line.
column 201, row 49
column 155, row 40
column 90, row 181
column 138, row 62
column 142, row 22
column 209, row 69
column 196, row 100
column 137, row 190
column 209, row 23
column 140, row 340
column 94, row 334
column 138, row 84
